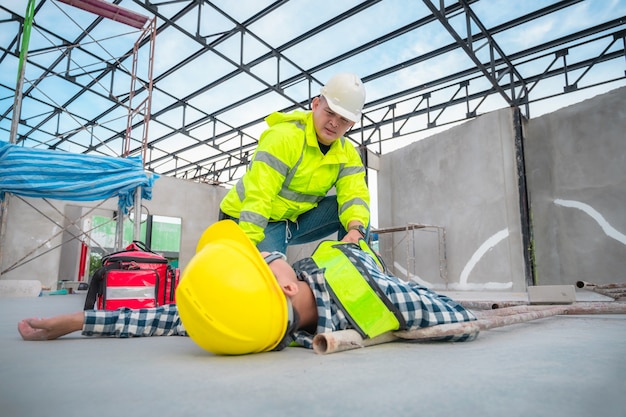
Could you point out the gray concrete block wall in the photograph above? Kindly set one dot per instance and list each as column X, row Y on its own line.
column 30, row 235
column 576, row 170
column 28, row 231
column 197, row 205
column 464, row 180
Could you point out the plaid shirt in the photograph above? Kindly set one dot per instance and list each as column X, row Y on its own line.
column 419, row 306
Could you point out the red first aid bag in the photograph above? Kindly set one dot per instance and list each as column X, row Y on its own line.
column 133, row 278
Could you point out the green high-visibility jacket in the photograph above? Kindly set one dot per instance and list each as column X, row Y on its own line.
column 289, row 175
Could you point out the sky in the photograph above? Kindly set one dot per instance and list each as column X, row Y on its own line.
column 296, row 17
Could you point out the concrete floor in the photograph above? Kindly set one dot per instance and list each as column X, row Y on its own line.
column 560, row 366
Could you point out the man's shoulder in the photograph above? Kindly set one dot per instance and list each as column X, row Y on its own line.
column 292, row 120
column 306, row 265
column 284, row 135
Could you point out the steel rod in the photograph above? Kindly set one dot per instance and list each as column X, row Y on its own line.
column 615, row 290
column 17, row 110
column 110, row 11
column 590, row 285
column 453, row 329
column 489, row 305
column 325, row 343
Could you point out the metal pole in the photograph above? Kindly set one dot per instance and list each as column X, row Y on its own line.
column 17, row 109
column 137, row 224
column 342, row 340
column 119, row 230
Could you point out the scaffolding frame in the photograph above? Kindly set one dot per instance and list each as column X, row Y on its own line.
column 389, row 253
column 142, row 109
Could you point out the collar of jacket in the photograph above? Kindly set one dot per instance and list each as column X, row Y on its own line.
column 306, row 119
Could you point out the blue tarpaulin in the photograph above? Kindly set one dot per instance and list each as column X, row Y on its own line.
column 31, row 172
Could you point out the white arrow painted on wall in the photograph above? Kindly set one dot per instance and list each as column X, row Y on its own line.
column 476, row 257
column 498, row 237
column 594, row 214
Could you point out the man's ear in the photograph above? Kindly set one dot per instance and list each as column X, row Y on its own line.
column 290, row 289
column 315, row 103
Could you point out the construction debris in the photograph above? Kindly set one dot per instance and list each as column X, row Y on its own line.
column 489, row 305
column 615, row 290
column 325, row 343
column 551, row 294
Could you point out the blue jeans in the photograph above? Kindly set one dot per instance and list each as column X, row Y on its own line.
column 315, row 224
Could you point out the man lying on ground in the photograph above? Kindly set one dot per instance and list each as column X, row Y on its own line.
column 233, row 299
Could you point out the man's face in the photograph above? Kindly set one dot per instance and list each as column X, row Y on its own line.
column 329, row 126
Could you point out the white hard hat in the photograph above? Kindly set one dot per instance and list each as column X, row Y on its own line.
column 345, row 95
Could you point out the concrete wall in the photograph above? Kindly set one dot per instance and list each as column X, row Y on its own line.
column 29, row 235
column 464, row 180
column 32, row 234
column 196, row 204
column 576, row 170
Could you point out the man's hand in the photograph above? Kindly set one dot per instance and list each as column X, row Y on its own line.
column 355, row 232
column 51, row 328
column 352, row 236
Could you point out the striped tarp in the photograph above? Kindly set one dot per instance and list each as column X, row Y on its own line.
column 40, row 173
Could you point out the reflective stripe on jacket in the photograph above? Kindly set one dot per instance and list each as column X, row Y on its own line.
column 289, row 175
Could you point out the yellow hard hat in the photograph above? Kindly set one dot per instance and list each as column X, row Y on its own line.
column 345, row 95
column 228, row 298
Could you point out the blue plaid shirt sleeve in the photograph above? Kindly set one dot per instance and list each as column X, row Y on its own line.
column 125, row 322
column 419, row 306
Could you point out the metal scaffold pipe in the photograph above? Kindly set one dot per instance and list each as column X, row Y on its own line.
column 110, row 11
column 339, row 341
column 17, row 110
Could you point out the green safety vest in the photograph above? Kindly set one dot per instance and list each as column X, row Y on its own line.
column 366, row 307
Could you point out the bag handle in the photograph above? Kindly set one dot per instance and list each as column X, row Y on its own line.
column 137, row 244
column 96, row 285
